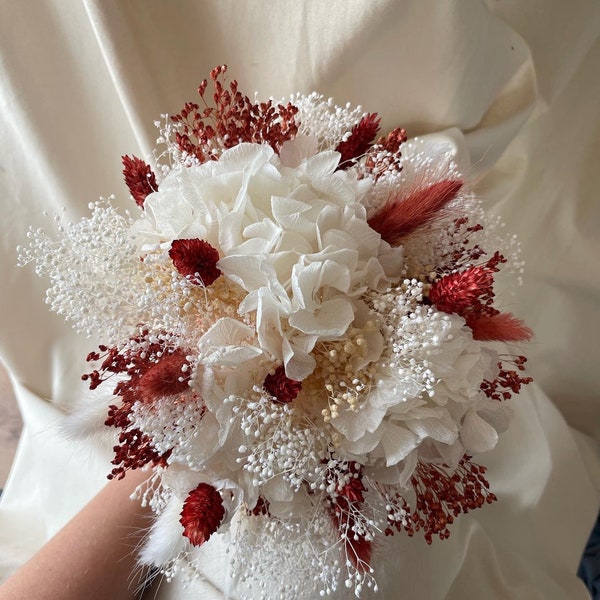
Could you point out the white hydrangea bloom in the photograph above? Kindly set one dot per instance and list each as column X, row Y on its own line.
column 290, row 230
column 424, row 394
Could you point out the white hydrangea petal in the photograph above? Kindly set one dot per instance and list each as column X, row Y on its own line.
column 295, row 152
column 365, row 443
column 207, row 442
column 292, row 241
column 497, row 414
column 231, row 356
column 398, row 398
column 354, row 424
column 334, row 189
column 261, row 237
column 442, row 429
column 305, row 281
column 397, row 474
column 232, row 495
column 294, row 508
column 336, row 273
column 245, row 270
column 256, row 246
column 330, row 320
column 477, row 435
column 226, row 331
column 451, row 454
column 168, row 218
column 277, row 490
column 398, row 442
column 230, row 230
column 322, row 164
column 228, row 343
column 298, row 362
column 244, row 157
column 289, row 213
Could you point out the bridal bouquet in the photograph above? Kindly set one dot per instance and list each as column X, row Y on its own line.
column 297, row 333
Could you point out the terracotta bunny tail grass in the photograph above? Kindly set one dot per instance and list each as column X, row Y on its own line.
column 502, row 327
column 398, row 218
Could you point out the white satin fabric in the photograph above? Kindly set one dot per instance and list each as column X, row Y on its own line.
column 514, row 83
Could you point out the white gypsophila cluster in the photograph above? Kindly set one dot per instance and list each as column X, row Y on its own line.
column 180, row 427
column 299, row 550
column 323, row 119
column 302, row 549
column 94, row 272
column 282, row 446
column 171, row 156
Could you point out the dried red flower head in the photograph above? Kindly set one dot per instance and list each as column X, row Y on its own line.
column 281, row 387
column 196, row 260
column 202, row 513
column 360, row 139
column 165, row 378
column 139, row 178
column 470, row 294
column 469, row 291
column 399, row 217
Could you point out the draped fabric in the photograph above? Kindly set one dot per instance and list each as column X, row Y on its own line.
column 514, row 85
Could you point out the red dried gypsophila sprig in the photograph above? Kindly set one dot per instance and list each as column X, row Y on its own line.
column 344, row 506
column 360, row 139
column 196, row 259
column 442, row 496
column 281, row 387
column 204, row 133
column 139, row 177
column 135, row 449
column 202, row 513
column 384, row 156
column 402, row 215
column 464, row 253
column 508, row 381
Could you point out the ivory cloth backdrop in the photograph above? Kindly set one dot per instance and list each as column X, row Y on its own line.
column 513, row 84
